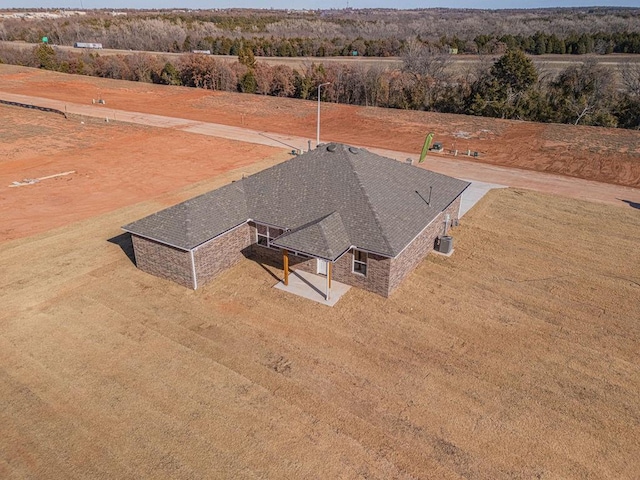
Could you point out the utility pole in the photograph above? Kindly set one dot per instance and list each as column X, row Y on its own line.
column 318, row 130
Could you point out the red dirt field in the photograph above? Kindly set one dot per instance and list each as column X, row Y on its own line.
column 115, row 165
column 600, row 154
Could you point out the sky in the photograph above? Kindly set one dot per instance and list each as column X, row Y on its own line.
column 312, row 4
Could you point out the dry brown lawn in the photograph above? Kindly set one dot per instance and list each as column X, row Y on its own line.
column 518, row 357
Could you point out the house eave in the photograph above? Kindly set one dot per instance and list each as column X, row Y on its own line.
column 163, row 242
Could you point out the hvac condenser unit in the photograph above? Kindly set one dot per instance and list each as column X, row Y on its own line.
column 444, row 244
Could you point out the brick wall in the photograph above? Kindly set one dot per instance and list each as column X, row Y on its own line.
column 376, row 280
column 222, row 252
column 163, row 261
column 383, row 274
column 409, row 259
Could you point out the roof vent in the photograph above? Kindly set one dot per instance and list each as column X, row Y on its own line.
column 354, row 150
column 331, row 147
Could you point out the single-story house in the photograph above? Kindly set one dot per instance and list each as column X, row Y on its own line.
column 344, row 212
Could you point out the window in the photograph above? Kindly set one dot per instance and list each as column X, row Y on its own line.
column 266, row 234
column 360, row 262
column 263, row 235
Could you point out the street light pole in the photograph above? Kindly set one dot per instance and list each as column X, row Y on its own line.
column 318, row 130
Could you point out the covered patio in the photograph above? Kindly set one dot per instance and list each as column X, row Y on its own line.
column 312, row 287
column 326, row 240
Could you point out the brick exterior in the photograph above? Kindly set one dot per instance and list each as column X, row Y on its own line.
column 376, row 280
column 163, row 261
column 272, row 256
column 415, row 252
column 384, row 274
column 221, row 253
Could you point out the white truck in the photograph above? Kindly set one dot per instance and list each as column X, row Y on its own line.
column 87, row 45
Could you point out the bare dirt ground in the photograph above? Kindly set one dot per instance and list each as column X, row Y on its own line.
column 604, row 155
column 515, row 358
column 115, row 165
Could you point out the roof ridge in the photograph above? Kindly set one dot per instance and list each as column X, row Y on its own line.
column 366, row 196
column 187, row 225
column 325, row 234
column 307, row 225
column 241, row 186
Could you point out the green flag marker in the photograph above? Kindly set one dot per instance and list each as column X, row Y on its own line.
column 425, row 148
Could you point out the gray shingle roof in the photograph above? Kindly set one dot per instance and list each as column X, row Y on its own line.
column 325, row 238
column 197, row 220
column 373, row 197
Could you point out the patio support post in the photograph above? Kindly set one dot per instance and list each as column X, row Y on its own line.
column 328, row 280
column 285, row 259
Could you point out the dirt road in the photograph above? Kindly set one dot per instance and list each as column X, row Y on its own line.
column 469, row 170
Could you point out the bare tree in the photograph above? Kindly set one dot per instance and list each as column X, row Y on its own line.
column 264, row 78
column 282, row 85
column 144, row 66
column 430, row 67
column 423, row 60
column 112, row 66
column 630, row 75
column 377, row 86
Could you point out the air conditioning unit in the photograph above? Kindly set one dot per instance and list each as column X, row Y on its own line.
column 444, row 244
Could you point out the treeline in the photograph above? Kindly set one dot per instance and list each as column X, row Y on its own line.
column 541, row 43
column 585, row 93
column 297, row 47
column 371, row 32
column 537, row 44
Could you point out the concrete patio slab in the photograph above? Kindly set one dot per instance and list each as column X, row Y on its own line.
column 313, row 287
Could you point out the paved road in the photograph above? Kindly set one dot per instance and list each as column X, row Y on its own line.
column 454, row 166
column 549, row 62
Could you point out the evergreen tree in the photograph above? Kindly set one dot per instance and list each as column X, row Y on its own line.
column 502, row 92
column 515, row 71
column 46, row 57
column 246, row 57
column 248, row 82
column 169, row 75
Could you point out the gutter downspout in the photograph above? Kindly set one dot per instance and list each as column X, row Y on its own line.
column 193, row 271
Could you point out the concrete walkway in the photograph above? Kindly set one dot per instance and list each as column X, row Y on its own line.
column 474, row 193
column 313, row 287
